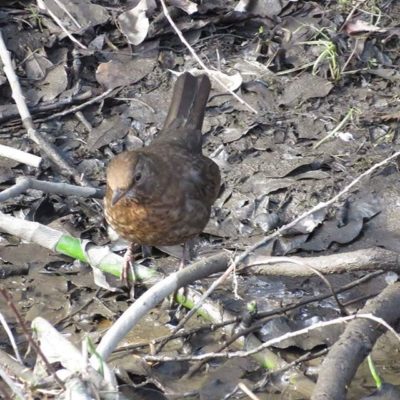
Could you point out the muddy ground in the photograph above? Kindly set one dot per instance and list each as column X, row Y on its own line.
column 318, row 84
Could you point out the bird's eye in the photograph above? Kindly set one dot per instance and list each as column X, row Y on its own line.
column 138, row 177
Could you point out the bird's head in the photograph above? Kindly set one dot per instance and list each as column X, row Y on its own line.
column 132, row 175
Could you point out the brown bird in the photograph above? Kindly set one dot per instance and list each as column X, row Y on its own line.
column 162, row 195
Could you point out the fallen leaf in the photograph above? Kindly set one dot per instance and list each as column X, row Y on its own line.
column 110, row 129
column 185, row 5
column 357, row 26
column 54, row 84
column 261, row 8
column 117, row 73
column 232, row 82
column 76, row 16
column 134, row 23
column 305, row 87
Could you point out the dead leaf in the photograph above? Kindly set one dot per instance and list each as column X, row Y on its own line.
column 185, row 5
column 358, row 26
column 37, row 65
column 307, row 86
column 113, row 128
column 261, row 8
column 54, row 84
column 232, row 82
column 117, row 73
column 134, row 23
column 391, row 74
column 76, row 15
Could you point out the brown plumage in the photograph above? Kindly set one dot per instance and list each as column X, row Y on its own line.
column 162, row 194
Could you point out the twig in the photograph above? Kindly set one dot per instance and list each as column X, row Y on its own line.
column 310, row 355
column 20, row 156
column 169, row 285
column 24, row 183
column 247, row 391
column 355, row 343
column 339, row 126
column 82, row 119
column 7, row 329
column 14, row 368
column 322, row 277
column 198, row 59
column 45, row 107
column 8, row 298
column 358, row 260
column 274, row 341
column 295, row 69
column 42, row 5
column 11, row 384
column 79, row 107
column 351, row 13
column 100, row 257
column 33, row 134
column 61, row 5
column 60, row 350
column 350, row 57
column 138, row 101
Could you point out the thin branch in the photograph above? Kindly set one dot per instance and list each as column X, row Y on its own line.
column 339, row 126
column 373, row 258
column 42, row 5
column 355, row 343
column 20, row 156
column 274, row 341
column 7, row 329
column 198, row 59
column 23, row 184
column 10, row 303
column 79, row 107
column 45, row 107
column 48, row 148
column 61, row 5
column 247, row 391
column 11, row 384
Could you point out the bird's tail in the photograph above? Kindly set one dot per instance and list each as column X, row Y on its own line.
column 186, row 112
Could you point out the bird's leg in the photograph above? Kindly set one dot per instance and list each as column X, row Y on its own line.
column 127, row 264
column 146, row 251
column 185, row 258
column 187, row 253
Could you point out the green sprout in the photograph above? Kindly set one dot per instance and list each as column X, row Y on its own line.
column 374, row 373
column 349, row 116
column 329, row 54
column 36, row 17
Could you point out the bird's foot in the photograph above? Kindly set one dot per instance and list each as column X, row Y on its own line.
column 187, row 254
column 128, row 272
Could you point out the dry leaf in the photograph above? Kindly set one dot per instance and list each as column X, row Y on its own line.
column 188, row 6
column 134, row 23
column 232, row 82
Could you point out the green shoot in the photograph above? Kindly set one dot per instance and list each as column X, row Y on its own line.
column 374, row 373
column 341, row 124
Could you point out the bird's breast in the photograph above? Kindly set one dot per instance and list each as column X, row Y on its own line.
column 157, row 224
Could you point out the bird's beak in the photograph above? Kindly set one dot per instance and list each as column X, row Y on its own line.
column 117, row 195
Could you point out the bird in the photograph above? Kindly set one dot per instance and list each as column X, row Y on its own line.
column 162, row 194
